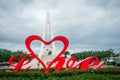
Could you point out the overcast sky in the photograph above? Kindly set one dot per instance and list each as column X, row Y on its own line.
column 88, row 24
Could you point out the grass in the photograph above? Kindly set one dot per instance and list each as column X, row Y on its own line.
column 76, row 74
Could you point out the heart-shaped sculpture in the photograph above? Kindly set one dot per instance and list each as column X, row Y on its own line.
column 58, row 58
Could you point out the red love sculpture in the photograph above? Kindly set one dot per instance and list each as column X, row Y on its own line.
column 60, row 60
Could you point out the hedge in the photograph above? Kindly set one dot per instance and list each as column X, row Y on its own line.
column 76, row 74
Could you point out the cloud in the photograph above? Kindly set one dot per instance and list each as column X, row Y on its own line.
column 88, row 24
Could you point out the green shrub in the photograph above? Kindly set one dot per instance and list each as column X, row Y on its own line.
column 118, row 64
column 111, row 63
column 75, row 74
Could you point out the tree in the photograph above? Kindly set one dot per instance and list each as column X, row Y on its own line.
column 101, row 54
column 6, row 54
column 66, row 53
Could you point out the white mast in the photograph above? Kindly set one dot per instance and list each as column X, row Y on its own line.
column 47, row 36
